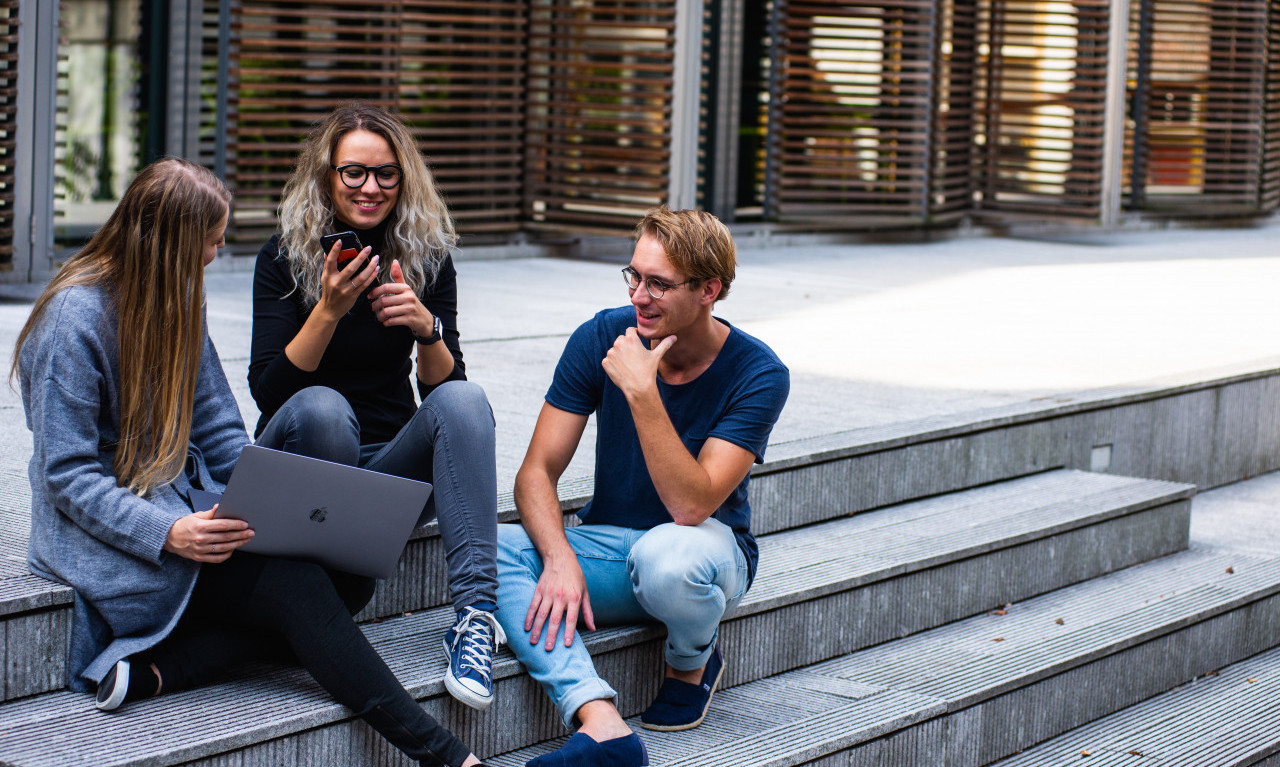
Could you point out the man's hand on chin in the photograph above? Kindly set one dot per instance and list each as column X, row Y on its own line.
column 631, row 365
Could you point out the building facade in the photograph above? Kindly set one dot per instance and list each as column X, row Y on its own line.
column 547, row 117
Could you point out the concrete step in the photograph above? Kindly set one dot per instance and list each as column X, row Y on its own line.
column 1226, row 718
column 863, row 579
column 984, row 688
column 35, row 614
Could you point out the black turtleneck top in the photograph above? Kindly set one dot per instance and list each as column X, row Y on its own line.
column 366, row 362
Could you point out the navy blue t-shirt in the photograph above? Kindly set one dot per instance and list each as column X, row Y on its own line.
column 737, row 399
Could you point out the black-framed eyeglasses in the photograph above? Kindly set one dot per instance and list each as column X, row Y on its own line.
column 653, row 285
column 354, row 174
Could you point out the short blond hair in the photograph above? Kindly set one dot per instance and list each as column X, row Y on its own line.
column 697, row 243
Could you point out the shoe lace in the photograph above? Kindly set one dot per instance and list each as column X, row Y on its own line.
column 476, row 630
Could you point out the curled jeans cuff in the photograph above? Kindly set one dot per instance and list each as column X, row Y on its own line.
column 580, row 695
column 689, row 662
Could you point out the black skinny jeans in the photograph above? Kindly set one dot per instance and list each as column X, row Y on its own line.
column 306, row 613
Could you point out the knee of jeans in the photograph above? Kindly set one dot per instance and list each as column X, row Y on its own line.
column 323, row 425
column 462, row 402
column 662, row 564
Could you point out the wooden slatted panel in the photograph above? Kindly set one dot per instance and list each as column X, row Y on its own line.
column 1042, row 83
column 208, row 144
column 599, row 111
column 850, row 134
column 952, row 179
column 454, row 72
column 8, row 125
column 461, row 85
column 291, row 63
column 1199, row 141
column 1269, row 194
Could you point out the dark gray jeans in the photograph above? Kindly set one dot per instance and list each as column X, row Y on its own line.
column 448, row 442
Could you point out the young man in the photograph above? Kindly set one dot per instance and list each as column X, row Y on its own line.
column 684, row 405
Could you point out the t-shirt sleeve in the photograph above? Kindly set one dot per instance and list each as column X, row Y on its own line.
column 754, row 409
column 578, row 383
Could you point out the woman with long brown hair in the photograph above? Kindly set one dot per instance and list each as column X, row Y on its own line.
column 129, row 412
column 332, row 365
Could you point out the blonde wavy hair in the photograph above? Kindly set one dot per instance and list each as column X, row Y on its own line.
column 419, row 230
column 150, row 258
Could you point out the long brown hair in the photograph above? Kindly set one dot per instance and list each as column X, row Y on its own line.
column 150, row 257
column 419, row 230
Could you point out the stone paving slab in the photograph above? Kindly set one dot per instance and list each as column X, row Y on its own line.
column 875, row 335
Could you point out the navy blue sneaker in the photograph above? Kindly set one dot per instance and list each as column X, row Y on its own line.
column 470, row 646
column 683, row 706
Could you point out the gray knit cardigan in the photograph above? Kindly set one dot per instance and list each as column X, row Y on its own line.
column 87, row 532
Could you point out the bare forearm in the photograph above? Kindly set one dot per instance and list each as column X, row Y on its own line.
column 539, row 506
column 435, row 363
column 682, row 483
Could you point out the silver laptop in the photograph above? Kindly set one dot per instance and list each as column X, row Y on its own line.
column 339, row 516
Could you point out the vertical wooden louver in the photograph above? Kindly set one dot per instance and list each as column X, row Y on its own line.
column 8, row 126
column 1198, row 72
column 1269, row 192
column 850, row 122
column 951, row 175
column 1042, row 89
column 454, row 72
column 599, row 111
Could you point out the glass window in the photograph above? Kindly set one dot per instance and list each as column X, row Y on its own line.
column 98, row 144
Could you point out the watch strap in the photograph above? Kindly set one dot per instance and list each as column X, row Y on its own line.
column 437, row 330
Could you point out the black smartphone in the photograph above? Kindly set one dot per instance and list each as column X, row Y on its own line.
column 350, row 246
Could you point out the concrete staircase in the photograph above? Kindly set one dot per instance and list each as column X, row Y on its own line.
column 933, row 593
column 1227, row 718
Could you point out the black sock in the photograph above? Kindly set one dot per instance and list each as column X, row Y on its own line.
column 143, row 682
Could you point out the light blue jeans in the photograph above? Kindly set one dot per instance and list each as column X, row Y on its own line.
column 685, row 577
column 449, row 442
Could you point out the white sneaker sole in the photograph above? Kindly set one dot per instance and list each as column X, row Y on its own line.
column 118, row 690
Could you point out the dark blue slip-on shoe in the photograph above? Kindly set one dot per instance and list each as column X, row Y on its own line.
column 582, row 751
column 683, row 706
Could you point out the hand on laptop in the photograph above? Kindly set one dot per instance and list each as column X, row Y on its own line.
column 200, row 537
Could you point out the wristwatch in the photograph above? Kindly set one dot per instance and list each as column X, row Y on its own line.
column 436, row 332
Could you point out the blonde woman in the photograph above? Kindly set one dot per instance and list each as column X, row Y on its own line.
column 129, row 411
column 332, row 366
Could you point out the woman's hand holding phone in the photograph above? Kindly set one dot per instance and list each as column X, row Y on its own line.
column 343, row 285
